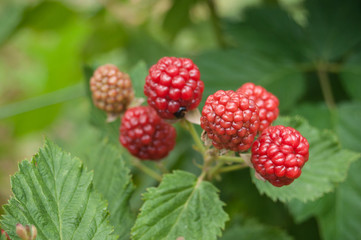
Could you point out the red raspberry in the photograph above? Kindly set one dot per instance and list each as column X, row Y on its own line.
column 231, row 120
column 173, row 87
column 279, row 154
column 145, row 134
column 111, row 89
column 267, row 103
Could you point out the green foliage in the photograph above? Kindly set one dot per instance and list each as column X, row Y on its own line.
column 328, row 164
column 348, row 125
column 338, row 213
column 54, row 192
column 182, row 206
column 112, row 179
column 351, row 74
column 251, row 229
column 138, row 74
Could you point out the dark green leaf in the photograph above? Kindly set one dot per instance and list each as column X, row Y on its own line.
column 351, row 76
column 348, row 125
column 332, row 29
column 228, row 70
column 177, row 16
column 251, row 230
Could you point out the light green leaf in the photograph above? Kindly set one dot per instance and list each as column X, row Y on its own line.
column 112, row 179
column 228, row 70
column 181, row 206
column 252, row 229
column 351, row 76
column 138, row 74
column 328, row 164
column 54, row 192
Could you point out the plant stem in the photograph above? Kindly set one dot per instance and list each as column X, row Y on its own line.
column 216, row 24
column 232, row 168
column 199, row 144
column 150, row 172
column 326, row 86
column 231, row 159
column 161, row 167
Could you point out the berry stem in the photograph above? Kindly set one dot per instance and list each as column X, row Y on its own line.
column 150, row 172
column 231, row 159
column 189, row 126
column 325, row 85
column 232, row 168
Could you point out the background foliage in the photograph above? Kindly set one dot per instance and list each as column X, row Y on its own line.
column 308, row 53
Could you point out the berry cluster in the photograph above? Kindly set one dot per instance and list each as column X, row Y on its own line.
column 233, row 119
column 230, row 119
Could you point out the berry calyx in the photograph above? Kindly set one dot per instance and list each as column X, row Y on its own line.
column 145, row 134
column 111, row 89
column 230, row 120
column 279, row 154
column 267, row 103
column 173, row 87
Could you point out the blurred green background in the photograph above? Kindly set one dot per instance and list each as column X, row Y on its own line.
column 308, row 53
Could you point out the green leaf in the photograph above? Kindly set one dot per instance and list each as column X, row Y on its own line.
column 138, row 74
column 112, row 179
column 351, row 75
column 348, row 125
column 47, row 15
column 228, row 70
column 251, row 230
column 181, row 206
column 54, row 192
column 177, row 17
column 328, row 164
column 332, row 30
column 318, row 115
column 338, row 213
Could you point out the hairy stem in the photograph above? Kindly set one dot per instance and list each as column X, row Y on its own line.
column 199, row 144
column 232, row 168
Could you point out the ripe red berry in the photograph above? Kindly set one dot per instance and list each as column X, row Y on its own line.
column 279, row 154
column 173, row 87
column 230, row 120
column 145, row 134
column 111, row 89
column 267, row 103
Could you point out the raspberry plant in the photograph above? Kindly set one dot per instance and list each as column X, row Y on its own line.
column 210, row 152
